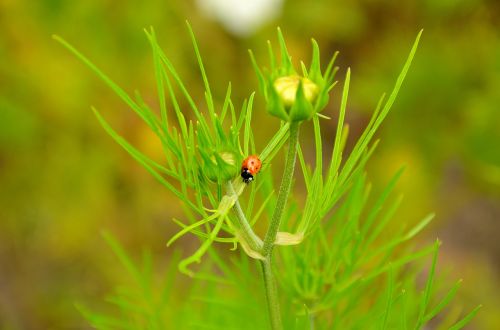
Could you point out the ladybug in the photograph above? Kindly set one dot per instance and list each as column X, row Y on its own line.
column 250, row 167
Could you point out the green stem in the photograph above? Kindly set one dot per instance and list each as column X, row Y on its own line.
column 267, row 272
column 286, row 184
column 249, row 235
column 271, row 294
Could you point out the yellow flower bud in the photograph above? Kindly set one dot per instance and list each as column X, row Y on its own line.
column 287, row 86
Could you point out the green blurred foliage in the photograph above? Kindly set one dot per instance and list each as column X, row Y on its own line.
column 62, row 180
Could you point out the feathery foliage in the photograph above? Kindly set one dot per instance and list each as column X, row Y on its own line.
column 344, row 266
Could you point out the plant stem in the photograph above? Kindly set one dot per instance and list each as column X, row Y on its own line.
column 286, row 184
column 267, row 272
column 249, row 235
column 271, row 294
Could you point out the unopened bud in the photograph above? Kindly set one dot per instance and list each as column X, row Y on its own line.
column 286, row 87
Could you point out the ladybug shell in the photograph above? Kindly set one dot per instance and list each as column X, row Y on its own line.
column 251, row 164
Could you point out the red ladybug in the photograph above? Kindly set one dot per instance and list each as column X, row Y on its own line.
column 250, row 167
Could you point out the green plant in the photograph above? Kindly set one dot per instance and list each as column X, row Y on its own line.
column 338, row 243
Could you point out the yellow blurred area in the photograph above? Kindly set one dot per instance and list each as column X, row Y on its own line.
column 63, row 180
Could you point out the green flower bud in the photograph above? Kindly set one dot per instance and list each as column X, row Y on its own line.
column 293, row 98
column 221, row 166
column 290, row 96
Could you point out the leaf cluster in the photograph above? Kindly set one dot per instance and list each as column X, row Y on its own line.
column 334, row 278
column 201, row 154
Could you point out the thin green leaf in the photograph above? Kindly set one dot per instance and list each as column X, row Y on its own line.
column 196, row 257
column 208, row 92
column 147, row 163
column 428, row 287
column 159, row 73
column 201, row 234
column 390, row 293
column 117, row 89
column 278, row 139
column 248, row 128
column 462, row 323
column 122, row 256
column 363, row 143
column 443, row 303
column 225, row 105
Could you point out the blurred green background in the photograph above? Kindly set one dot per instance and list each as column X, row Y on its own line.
column 63, row 180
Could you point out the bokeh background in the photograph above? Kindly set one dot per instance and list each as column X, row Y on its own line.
column 63, row 180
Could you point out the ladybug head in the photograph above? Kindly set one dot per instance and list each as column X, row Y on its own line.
column 246, row 175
